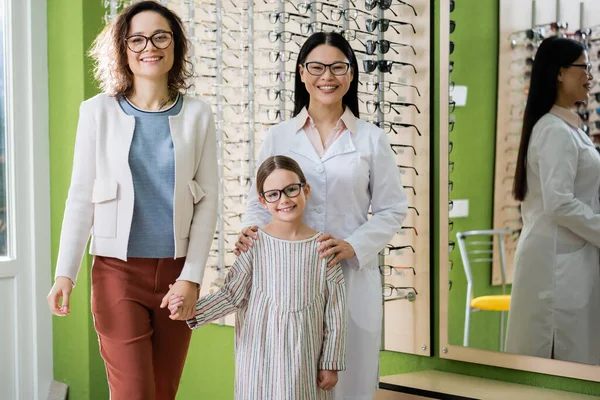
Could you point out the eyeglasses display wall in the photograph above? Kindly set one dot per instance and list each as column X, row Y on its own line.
column 521, row 31
column 244, row 53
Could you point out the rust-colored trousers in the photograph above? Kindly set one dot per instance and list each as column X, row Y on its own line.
column 143, row 350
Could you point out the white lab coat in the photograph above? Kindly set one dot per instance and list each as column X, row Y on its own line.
column 556, row 291
column 357, row 171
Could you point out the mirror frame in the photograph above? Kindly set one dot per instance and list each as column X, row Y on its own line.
column 456, row 352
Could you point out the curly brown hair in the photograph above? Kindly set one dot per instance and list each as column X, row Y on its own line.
column 109, row 52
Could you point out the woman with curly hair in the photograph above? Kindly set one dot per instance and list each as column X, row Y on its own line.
column 144, row 185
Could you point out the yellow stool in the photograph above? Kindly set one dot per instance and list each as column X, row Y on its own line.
column 478, row 247
column 492, row 303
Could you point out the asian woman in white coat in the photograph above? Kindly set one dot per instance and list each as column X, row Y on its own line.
column 144, row 184
column 555, row 304
column 351, row 168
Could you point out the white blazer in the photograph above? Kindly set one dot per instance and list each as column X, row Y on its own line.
column 100, row 199
column 358, row 171
column 555, row 300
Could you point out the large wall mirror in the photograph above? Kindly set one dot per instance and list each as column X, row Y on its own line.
column 476, row 259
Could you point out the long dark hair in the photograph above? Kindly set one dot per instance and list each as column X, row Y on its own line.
column 109, row 52
column 553, row 54
column 276, row 162
column 301, row 96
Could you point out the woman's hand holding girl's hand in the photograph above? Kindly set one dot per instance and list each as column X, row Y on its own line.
column 188, row 293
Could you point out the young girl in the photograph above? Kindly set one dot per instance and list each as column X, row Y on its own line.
column 291, row 312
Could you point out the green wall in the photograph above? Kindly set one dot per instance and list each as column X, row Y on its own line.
column 473, row 152
column 209, row 369
column 72, row 26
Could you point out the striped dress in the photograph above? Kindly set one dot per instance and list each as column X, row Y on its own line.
column 290, row 322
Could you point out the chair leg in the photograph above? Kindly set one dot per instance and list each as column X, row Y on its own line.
column 467, row 324
column 502, row 331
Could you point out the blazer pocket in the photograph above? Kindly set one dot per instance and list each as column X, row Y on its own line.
column 192, row 197
column 105, row 202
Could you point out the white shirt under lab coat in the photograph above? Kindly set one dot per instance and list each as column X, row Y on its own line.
column 555, row 304
column 357, row 171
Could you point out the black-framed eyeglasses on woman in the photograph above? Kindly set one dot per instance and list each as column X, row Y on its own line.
column 290, row 191
column 587, row 67
column 138, row 43
column 317, row 68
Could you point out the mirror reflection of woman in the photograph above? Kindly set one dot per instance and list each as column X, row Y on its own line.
column 555, row 301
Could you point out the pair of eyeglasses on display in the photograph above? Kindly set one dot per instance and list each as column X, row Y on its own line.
column 283, row 55
column 384, row 65
column 383, row 24
column 312, row 27
column 535, row 34
column 275, row 75
column 402, row 147
column 387, row 106
column 349, row 14
column 290, row 191
column 388, row 289
column 386, row 86
column 388, row 126
column 283, row 94
column 284, row 17
column 386, row 4
column 316, row 7
column 284, row 36
column 390, row 249
column 404, row 167
column 388, row 270
column 384, row 46
column 408, row 228
column 411, row 189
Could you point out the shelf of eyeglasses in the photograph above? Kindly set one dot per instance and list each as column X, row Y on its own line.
column 538, row 33
column 350, row 15
column 322, row 9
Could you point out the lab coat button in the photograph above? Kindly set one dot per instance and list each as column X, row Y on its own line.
column 320, row 209
column 319, row 169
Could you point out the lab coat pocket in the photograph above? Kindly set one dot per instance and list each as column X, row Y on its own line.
column 192, row 197
column 576, row 275
column 104, row 198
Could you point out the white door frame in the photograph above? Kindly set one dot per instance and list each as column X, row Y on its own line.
column 28, row 165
